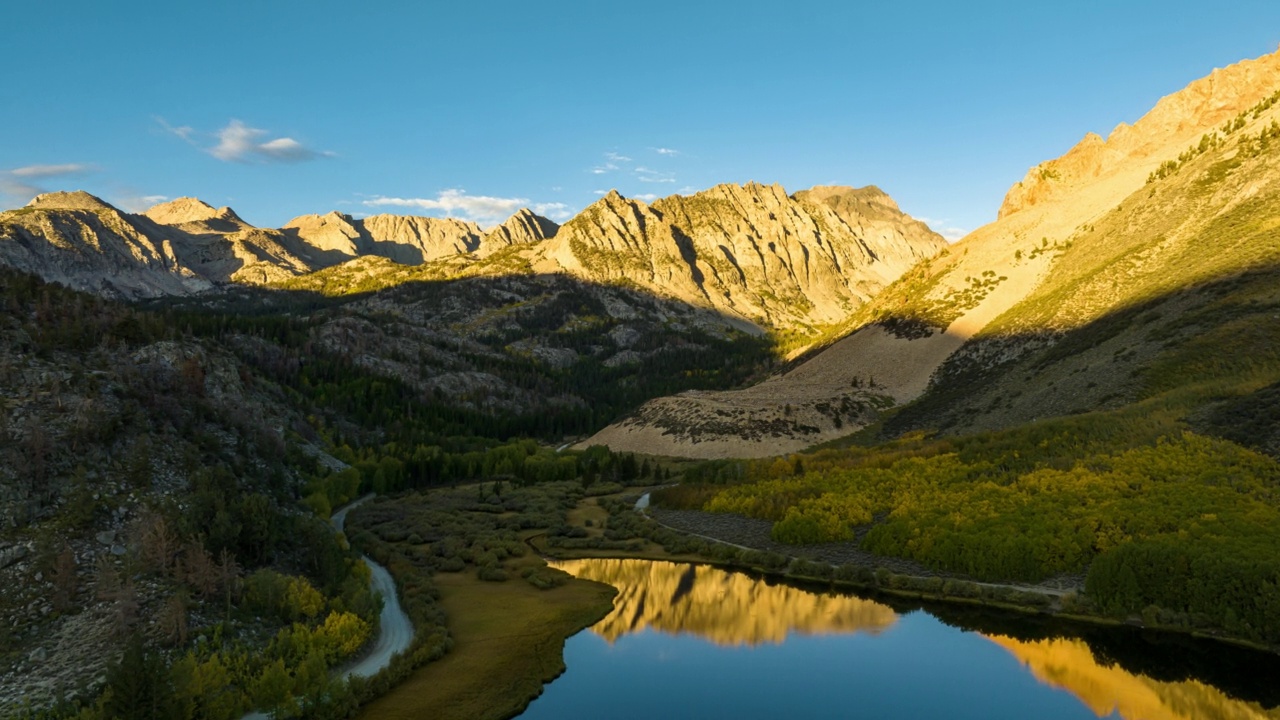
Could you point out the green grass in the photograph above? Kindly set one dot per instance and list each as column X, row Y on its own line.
column 508, row 642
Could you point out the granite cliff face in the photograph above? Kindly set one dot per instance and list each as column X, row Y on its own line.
column 750, row 252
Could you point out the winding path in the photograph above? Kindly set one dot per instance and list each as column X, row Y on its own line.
column 395, row 630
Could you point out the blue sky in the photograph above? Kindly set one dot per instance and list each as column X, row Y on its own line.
column 471, row 109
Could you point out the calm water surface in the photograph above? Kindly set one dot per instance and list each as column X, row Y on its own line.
column 688, row 641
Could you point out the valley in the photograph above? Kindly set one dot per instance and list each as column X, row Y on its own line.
column 1064, row 422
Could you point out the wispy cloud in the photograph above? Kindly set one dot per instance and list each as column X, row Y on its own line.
column 47, row 171
column 183, row 131
column 238, row 142
column 647, row 197
column 482, row 209
column 554, row 211
column 613, row 162
column 666, row 151
column 649, row 175
column 139, row 203
column 18, row 185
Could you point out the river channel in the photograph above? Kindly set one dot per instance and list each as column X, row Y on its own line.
column 693, row 641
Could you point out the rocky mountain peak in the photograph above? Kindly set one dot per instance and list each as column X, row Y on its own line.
column 188, row 210
column 748, row 251
column 328, row 233
column 837, row 195
column 75, row 200
column 524, row 226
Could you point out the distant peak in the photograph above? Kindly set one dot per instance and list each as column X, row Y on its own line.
column 834, row 194
column 524, row 226
column 75, row 200
column 314, row 221
column 188, row 210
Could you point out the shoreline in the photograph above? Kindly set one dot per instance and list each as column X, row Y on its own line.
column 914, row 586
column 567, row 611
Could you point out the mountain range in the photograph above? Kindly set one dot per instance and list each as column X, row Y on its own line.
column 760, row 257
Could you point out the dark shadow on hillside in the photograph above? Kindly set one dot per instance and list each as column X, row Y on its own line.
column 1222, row 328
column 534, row 355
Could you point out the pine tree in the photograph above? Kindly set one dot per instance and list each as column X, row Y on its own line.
column 139, row 685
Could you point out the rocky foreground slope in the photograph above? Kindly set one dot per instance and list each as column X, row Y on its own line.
column 1109, row 225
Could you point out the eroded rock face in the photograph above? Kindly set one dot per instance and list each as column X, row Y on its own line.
column 748, row 251
column 1176, row 121
column 411, row 240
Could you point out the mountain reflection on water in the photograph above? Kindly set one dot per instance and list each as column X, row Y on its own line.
column 726, row 608
column 1069, row 664
column 735, row 610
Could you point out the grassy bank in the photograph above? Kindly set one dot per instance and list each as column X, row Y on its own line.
column 508, row 642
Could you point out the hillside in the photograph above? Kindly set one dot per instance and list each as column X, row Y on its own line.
column 1100, row 240
column 143, row 473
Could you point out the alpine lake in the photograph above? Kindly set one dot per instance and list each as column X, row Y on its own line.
column 695, row 641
